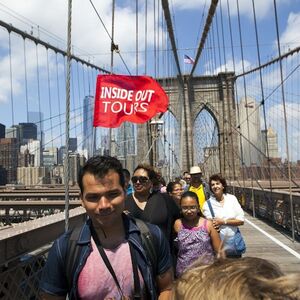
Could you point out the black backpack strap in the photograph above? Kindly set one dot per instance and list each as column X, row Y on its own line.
column 148, row 243
column 72, row 254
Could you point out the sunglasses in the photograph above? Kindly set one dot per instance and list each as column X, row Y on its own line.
column 141, row 179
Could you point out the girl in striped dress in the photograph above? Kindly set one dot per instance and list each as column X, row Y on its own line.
column 196, row 236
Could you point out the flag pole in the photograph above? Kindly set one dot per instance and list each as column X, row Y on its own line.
column 183, row 65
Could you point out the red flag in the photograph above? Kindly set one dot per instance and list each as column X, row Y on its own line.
column 121, row 98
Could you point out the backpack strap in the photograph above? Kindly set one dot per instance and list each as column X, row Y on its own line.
column 148, row 243
column 72, row 254
column 73, row 249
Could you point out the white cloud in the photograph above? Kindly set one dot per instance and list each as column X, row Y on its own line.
column 245, row 6
column 290, row 38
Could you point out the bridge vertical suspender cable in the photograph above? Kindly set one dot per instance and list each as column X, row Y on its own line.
column 49, row 94
column 245, row 94
column 285, row 122
column 25, row 79
column 236, row 95
column 38, row 89
column 11, row 82
column 66, row 169
column 58, row 96
column 112, row 49
column 263, row 102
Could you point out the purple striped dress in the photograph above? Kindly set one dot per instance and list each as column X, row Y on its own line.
column 193, row 242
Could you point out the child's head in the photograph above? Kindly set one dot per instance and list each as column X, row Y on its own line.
column 189, row 205
column 247, row 278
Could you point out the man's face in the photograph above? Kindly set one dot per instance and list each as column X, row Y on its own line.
column 187, row 178
column 103, row 198
column 196, row 178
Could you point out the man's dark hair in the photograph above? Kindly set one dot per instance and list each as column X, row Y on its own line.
column 126, row 173
column 99, row 166
column 218, row 177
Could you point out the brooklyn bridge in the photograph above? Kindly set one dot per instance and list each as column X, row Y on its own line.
column 230, row 70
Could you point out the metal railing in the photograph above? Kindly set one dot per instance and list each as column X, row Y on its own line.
column 20, row 278
column 272, row 206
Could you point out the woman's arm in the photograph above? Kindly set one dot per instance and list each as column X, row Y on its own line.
column 232, row 222
column 177, row 226
column 214, row 236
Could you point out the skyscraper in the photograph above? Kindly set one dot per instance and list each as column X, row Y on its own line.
column 9, row 158
column 249, row 114
column 72, row 144
column 28, row 131
column 88, row 113
column 2, row 131
column 37, row 118
column 34, row 147
column 272, row 142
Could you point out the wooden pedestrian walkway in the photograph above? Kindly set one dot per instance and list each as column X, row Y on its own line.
column 266, row 242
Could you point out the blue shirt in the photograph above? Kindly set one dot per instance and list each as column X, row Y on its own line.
column 55, row 281
column 129, row 189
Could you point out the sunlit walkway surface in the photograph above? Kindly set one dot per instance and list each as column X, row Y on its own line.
column 266, row 242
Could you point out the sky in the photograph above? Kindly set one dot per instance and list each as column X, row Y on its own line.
column 48, row 21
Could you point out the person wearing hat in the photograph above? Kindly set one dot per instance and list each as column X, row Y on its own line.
column 198, row 186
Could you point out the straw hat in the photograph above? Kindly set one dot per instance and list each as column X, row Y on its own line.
column 195, row 170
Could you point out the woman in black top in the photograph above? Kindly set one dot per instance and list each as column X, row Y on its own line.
column 156, row 208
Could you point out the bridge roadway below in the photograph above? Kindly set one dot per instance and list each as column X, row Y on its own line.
column 264, row 241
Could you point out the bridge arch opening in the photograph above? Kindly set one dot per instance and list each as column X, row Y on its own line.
column 206, row 142
column 169, row 146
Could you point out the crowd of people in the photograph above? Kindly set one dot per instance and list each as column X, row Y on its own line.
column 141, row 233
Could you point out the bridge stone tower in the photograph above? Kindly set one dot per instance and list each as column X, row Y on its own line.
column 214, row 94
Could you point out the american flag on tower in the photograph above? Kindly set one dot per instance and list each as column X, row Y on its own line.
column 188, row 60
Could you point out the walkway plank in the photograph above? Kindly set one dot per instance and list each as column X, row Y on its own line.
column 260, row 245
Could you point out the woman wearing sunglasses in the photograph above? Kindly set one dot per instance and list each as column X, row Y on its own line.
column 153, row 207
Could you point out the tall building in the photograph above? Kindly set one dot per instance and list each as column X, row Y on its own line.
column 3, row 176
column 9, row 158
column 272, row 142
column 74, row 167
column 251, row 145
column 25, row 158
column 88, row 113
column 2, row 131
column 73, row 144
column 38, row 118
column 62, row 150
column 32, row 175
column 34, row 147
column 61, row 155
column 13, row 132
column 50, row 157
column 28, row 131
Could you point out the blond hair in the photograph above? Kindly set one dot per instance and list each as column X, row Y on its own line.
column 247, row 278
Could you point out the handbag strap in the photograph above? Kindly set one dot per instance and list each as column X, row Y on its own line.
column 210, row 208
column 137, row 286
